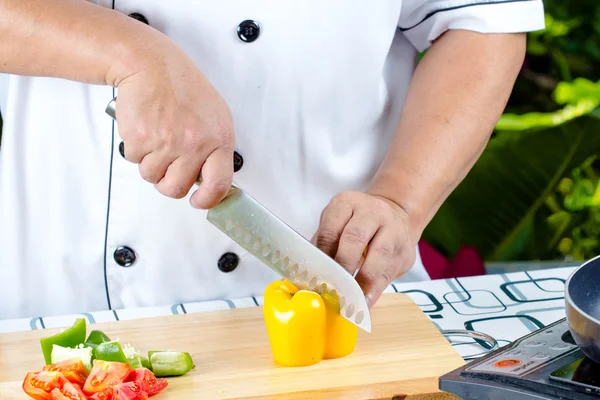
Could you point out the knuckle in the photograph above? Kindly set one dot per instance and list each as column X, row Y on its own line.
column 166, row 139
column 381, row 281
column 369, row 277
column 387, row 275
column 193, row 139
column 381, row 209
column 344, row 261
column 333, row 213
column 223, row 133
column 148, row 174
column 355, row 236
column 173, row 191
column 218, row 187
column 385, row 250
column 138, row 135
column 341, row 198
column 326, row 237
column 407, row 259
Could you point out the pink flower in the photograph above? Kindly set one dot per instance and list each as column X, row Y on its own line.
column 467, row 262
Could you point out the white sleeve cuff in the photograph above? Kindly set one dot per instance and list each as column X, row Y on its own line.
column 503, row 17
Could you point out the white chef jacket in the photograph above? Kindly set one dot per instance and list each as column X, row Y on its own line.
column 315, row 99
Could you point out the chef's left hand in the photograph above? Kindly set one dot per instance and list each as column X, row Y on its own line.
column 354, row 220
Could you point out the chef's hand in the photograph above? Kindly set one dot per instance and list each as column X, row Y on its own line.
column 351, row 222
column 174, row 124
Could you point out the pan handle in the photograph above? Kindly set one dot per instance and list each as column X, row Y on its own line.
column 473, row 335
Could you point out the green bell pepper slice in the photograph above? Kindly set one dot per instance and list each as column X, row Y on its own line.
column 70, row 337
column 82, row 352
column 134, row 359
column 145, row 362
column 170, row 363
column 95, row 338
column 110, row 351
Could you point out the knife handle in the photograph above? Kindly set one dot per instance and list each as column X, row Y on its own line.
column 112, row 111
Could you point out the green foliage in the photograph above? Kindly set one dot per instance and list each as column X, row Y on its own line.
column 535, row 192
column 500, row 208
column 568, row 48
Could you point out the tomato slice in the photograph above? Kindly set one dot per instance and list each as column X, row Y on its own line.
column 146, row 379
column 130, row 391
column 108, row 394
column 55, row 394
column 123, row 391
column 104, row 375
column 72, row 391
column 38, row 385
column 74, row 370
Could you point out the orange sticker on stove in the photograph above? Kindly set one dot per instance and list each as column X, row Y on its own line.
column 506, row 363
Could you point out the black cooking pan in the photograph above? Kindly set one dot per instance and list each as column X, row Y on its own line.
column 582, row 306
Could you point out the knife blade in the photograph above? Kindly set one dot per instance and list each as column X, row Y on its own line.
column 285, row 251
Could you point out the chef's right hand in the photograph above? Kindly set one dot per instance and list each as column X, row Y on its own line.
column 174, row 124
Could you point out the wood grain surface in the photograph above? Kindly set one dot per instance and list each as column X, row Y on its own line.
column 401, row 359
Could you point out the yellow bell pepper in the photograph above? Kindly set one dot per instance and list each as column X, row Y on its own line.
column 305, row 327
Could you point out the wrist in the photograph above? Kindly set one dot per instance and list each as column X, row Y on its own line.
column 415, row 209
column 141, row 48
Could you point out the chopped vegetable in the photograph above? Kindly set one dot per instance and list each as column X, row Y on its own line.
column 73, row 369
column 57, row 395
column 148, row 381
column 95, row 338
column 105, row 374
column 82, row 353
column 37, row 385
column 110, row 351
column 145, row 362
column 100, row 368
column 170, row 363
column 134, row 359
column 305, row 327
column 70, row 337
column 40, row 385
column 123, row 391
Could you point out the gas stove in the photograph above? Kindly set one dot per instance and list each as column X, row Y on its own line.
column 545, row 364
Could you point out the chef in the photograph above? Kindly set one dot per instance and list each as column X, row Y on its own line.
column 317, row 108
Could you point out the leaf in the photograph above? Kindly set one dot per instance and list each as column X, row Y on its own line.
column 513, row 122
column 499, row 199
column 574, row 92
column 558, row 28
column 559, row 222
column 537, row 48
column 595, row 201
column 581, row 196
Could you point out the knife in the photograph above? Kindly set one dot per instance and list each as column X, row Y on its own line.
column 272, row 241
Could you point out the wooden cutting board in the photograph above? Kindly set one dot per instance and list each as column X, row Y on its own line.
column 401, row 359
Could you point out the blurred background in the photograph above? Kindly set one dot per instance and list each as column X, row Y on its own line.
column 533, row 199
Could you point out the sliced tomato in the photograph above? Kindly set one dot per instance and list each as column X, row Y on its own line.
column 146, row 379
column 55, row 394
column 130, row 391
column 108, row 394
column 123, row 391
column 38, row 385
column 105, row 374
column 74, row 370
column 72, row 391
